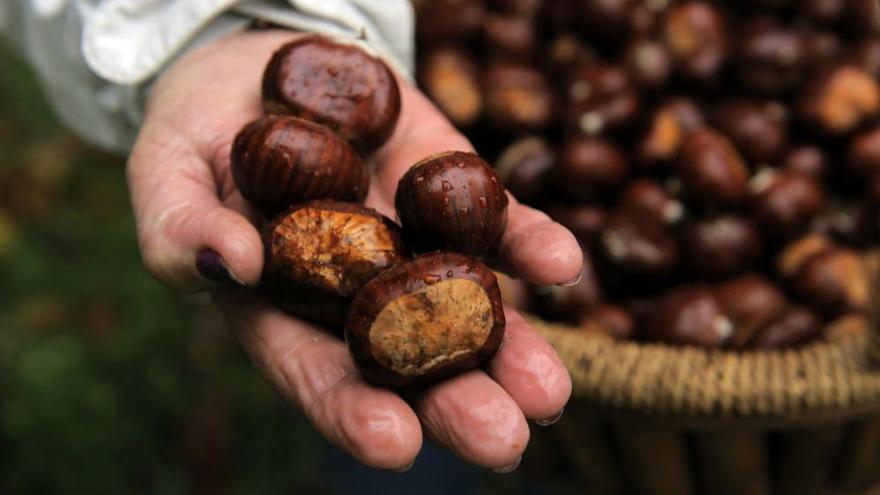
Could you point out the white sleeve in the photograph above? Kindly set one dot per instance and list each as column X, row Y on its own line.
column 97, row 59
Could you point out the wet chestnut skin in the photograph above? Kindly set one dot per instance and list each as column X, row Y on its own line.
column 340, row 86
column 452, row 201
column 426, row 319
column 320, row 253
column 280, row 160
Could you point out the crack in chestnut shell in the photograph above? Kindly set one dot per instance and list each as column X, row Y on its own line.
column 339, row 86
column 452, row 201
column 416, row 288
column 319, row 254
column 278, row 161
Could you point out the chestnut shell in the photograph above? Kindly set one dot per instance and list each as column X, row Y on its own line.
column 320, row 253
column 380, row 363
column 452, row 201
column 336, row 85
column 278, row 161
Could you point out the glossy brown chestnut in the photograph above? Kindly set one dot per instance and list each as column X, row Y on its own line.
column 451, row 79
column 795, row 327
column 610, row 320
column 711, row 169
column 637, row 248
column 696, row 36
column 320, row 253
column 720, row 245
column 808, row 160
column 452, row 201
column 600, row 97
column 424, row 320
column 758, row 129
column 838, row 100
column 524, row 167
column 688, row 316
column 750, row 302
column 569, row 303
column 646, row 197
column 588, row 167
column 340, row 86
column 785, row 202
column 863, row 154
column 834, row 282
column 278, row 161
column 770, row 59
column 518, row 98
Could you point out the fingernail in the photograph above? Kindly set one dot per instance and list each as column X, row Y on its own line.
column 406, row 468
column 572, row 282
column 508, row 469
column 552, row 419
column 210, row 265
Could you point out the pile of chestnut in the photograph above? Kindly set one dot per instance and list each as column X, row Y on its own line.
column 329, row 259
column 719, row 161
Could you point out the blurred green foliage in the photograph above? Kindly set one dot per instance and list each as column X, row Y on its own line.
column 109, row 383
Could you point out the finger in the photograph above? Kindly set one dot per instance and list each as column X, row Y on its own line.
column 529, row 369
column 313, row 371
column 476, row 419
column 179, row 215
column 535, row 247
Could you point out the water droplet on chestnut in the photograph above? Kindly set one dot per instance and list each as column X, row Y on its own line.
column 340, row 86
column 278, row 161
column 435, row 216
column 403, row 330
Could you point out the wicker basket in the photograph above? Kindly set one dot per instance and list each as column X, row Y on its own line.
column 653, row 419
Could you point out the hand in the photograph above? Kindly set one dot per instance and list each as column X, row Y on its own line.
column 186, row 203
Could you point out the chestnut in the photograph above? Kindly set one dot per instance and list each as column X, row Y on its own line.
column 588, row 167
column 600, row 97
column 834, row 282
column 564, row 52
column 688, row 315
column 668, row 126
column 712, row 170
column 770, row 59
column 279, row 160
column 750, row 302
column 637, row 248
column 445, row 21
column 585, row 221
column 808, row 160
column 795, row 327
column 426, row 319
column 720, row 245
column 797, row 253
column 320, row 253
column 785, row 202
column 758, row 129
column 569, row 304
column 523, row 168
column 863, row 154
column 648, row 63
column 838, row 100
column 696, row 36
column 518, row 98
column 450, row 79
column 610, row 320
column 648, row 198
column 509, row 37
column 452, row 201
column 339, row 86
column 823, row 11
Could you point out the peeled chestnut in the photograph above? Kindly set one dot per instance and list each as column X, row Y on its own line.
column 756, row 128
column 452, row 201
column 588, row 167
column 450, row 78
column 795, row 327
column 696, row 36
column 834, row 282
column 599, row 98
column 712, row 170
column 720, row 245
column 518, row 98
column 688, row 316
column 320, row 253
column 838, row 100
column 340, row 86
column 278, row 161
column 784, row 202
column 524, row 166
column 425, row 319
column 750, row 302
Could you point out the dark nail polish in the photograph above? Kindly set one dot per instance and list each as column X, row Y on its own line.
column 210, row 265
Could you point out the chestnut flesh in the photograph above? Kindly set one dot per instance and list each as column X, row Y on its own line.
column 426, row 319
